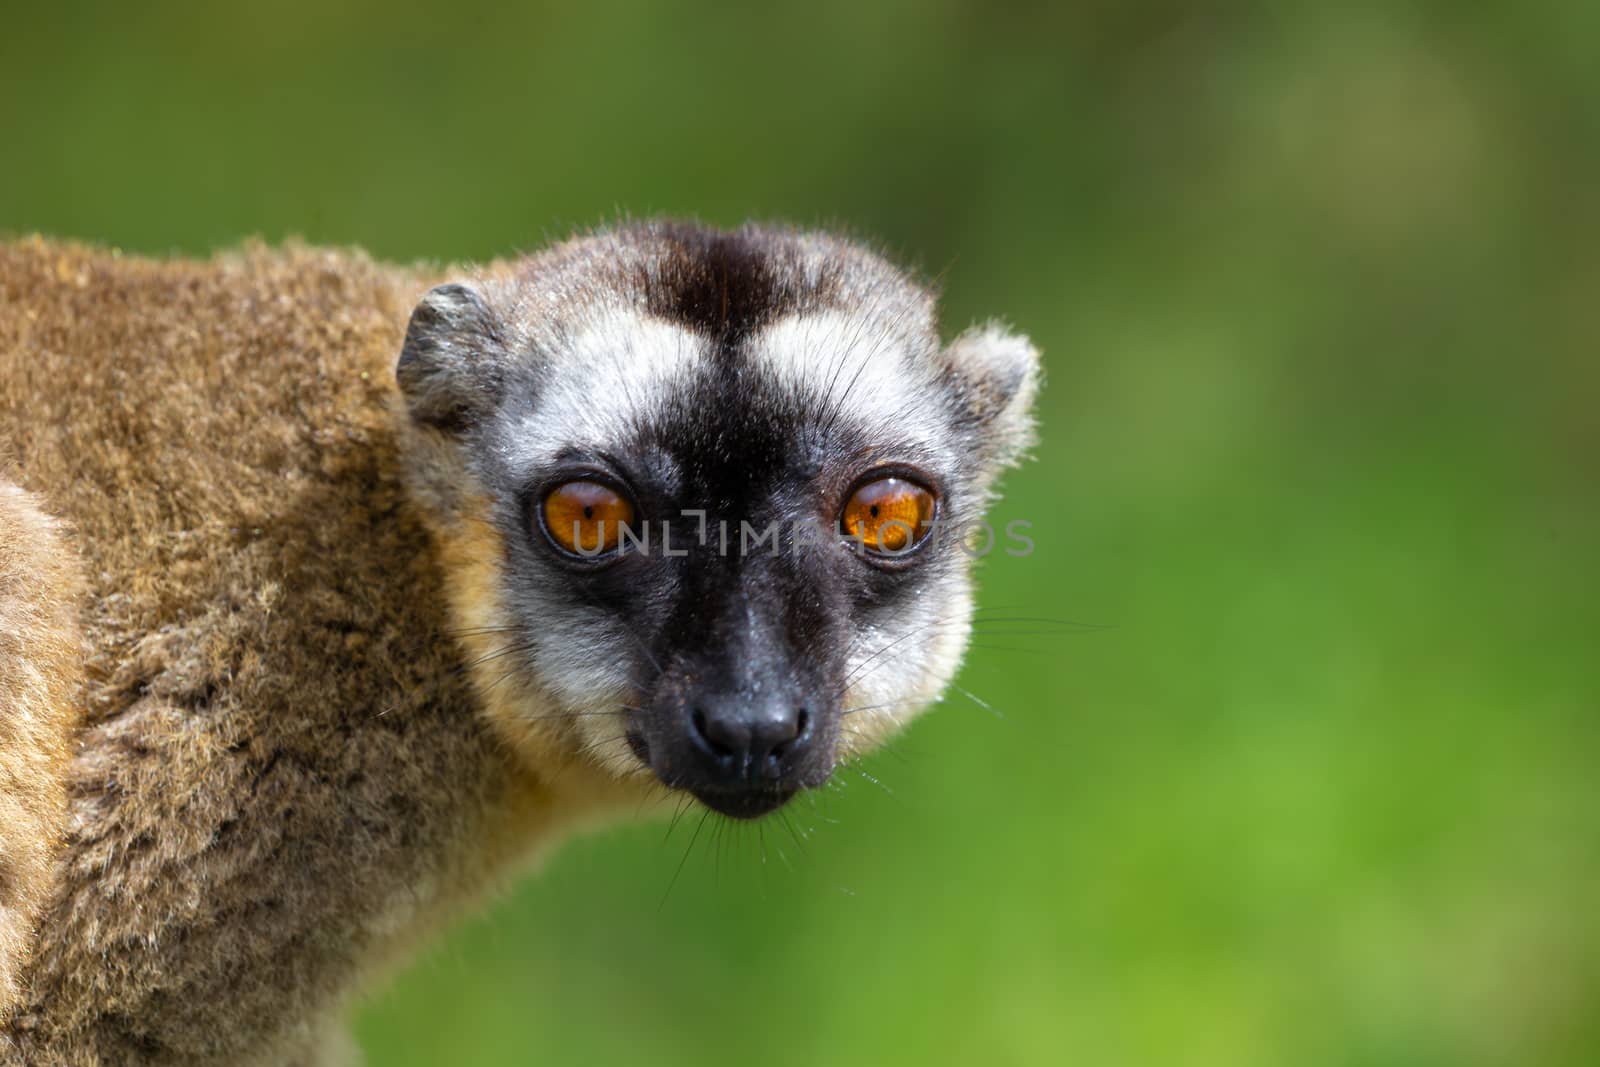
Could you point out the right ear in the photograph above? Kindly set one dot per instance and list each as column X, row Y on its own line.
column 449, row 365
column 998, row 374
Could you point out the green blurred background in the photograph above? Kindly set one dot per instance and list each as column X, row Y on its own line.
column 1317, row 288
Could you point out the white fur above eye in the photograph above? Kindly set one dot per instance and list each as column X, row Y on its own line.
column 615, row 375
column 855, row 367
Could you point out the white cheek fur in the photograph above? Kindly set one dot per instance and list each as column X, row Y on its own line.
column 895, row 672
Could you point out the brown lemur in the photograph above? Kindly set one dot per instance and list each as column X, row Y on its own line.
column 330, row 600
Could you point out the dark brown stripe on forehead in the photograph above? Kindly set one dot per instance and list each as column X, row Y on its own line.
column 726, row 285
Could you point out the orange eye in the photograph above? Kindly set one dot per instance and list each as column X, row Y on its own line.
column 586, row 518
column 888, row 515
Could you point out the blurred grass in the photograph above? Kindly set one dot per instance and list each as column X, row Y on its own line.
column 1316, row 288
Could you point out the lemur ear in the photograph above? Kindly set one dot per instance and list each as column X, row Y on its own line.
column 998, row 374
column 448, row 368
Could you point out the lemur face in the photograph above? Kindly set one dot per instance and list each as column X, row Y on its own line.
column 710, row 491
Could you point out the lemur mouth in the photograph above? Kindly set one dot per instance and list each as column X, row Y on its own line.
column 745, row 804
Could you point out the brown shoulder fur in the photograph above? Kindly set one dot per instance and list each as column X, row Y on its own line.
column 41, row 659
column 281, row 775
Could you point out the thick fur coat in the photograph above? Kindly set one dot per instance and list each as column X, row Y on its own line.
column 275, row 763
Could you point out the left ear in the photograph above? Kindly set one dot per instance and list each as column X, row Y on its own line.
column 447, row 369
column 997, row 374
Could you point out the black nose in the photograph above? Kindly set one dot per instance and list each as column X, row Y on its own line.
column 749, row 744
column 743, row 751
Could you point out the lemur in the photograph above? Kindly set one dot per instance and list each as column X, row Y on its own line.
column 332, row 594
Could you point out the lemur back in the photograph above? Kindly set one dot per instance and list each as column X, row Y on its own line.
column 274, row 732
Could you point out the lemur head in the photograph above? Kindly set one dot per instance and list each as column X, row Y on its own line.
column 703, row 495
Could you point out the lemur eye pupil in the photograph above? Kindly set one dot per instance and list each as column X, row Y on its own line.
column 585, row 518
column 888, row 516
